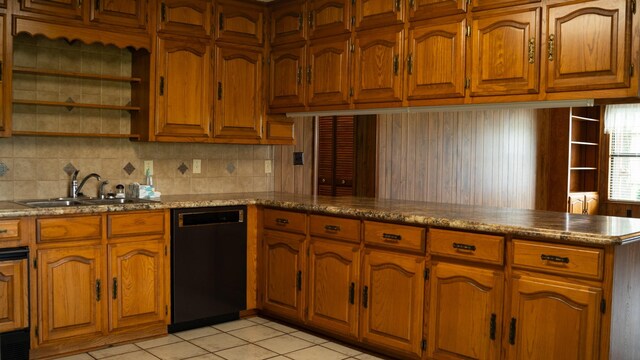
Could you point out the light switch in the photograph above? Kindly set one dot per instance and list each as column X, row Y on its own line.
column 148, row 165
column 267, row 166
column 197, row 166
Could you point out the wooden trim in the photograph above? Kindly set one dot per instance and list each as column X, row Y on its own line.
column 74, row 105
column 26, row 70
column 38, row 133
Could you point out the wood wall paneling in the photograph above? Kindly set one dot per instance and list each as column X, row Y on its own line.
column 295, row 179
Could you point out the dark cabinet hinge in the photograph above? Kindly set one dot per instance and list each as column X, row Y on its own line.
column 423, row 344
column 299, row 280
column 603, row 306
column 35, row 263
column 163, row 12
column 426, row 274
column 161, row 85
column 512, row 331
column 492, row 327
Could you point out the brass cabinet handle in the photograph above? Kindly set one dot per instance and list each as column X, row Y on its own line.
column 532, row 50
column 552, row 39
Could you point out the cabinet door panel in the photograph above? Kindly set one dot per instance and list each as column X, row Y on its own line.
column 554, row 320
column 187, row 17
column 328, row 72
column 333, row 283
column 283, row 273
column 504, row 56
column 589, row 46
column 287, row 76
column 65, row 8
column 465, row 312
column 238, row 108
column 329, row 17
column 129, row 13
column 392, row 301
column 424, row 9
column 70, row 292
column 136, row 286
column 14, row 312
column 376, row 13
column 379, row 66
column 288, row 23
column 576, row 204
column 436, row 65
column 184, row 88
column 239, row 23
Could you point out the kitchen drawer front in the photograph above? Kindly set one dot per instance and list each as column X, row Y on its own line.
column 135, row 224
column 560, row 259
column 467, row 246
column 335, row 228
column 285, row 221
column 401, row 237
column 10, row 232
column 69, row 228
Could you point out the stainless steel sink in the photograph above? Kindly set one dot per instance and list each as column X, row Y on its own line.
column 66, row 202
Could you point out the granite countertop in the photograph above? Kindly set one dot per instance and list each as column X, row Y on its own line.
column 575, row 228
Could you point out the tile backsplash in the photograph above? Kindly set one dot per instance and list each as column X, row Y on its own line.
column 34, row 167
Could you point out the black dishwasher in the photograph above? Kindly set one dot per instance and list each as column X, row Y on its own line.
column 208, row 266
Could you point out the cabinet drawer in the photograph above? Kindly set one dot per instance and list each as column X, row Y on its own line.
column 285, row 221
column 468, row 246
column 561, row 259
column 335, row 228
column 394, row 236
column 69, row 228
column 9, row 230
column 137, row 224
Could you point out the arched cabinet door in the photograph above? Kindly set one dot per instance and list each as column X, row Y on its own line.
column 185, row 17
column 126, row 13
column 287, row 85
column 392, row 299
column 327, row 73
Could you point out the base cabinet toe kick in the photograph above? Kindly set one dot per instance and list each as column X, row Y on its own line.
column 417, row 292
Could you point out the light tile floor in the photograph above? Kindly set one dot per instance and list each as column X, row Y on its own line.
column 253, row 338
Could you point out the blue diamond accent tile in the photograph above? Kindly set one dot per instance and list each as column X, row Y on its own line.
column 231, row 168
column 3, row 169
column 129, row 168
column 69, row 169
column 183, row 168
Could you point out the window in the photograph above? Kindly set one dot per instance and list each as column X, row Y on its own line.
column 622, row 123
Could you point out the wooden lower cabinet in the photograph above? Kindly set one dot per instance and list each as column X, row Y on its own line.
column 70, row 283
column 284, row 261
column 334, row 270
column 392, row 301
column 465, row 312
column 13, row 295
column 136, row 286
column 553, row 319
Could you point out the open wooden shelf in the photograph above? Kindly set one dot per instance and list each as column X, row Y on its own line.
column 25, row 70
column 79, row 105
column 40, row 133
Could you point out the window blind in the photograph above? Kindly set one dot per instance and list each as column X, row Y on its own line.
column 622, row 123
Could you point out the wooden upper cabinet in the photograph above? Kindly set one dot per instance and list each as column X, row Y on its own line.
column 283, row 261
column 328, row 72
column 560, row 320
column 436, row 61
column 14, row 287
column 465, row 312
column 379, row 65
column 70, row 278
column 505, row 53
column 329, row 17
column 238, row 104
column 183, row 94
column 288, row 22
column 424, row 9
column 376, row 13
column 287, row 76
column 127, row 13
column 185, row 17
column 477, row 5
column 334, row 270
column 70, row 9
column 239, row 23
column 392, row 301
column 588, row 46
column 136, row 283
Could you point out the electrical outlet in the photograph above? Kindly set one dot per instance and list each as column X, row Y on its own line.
column 148, row 165
column 298, row 158
column 267, row 166
column 197, row 166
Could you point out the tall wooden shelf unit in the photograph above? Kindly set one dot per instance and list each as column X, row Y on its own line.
column 574, row 147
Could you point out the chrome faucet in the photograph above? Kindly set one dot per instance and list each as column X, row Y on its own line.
column 75, row 189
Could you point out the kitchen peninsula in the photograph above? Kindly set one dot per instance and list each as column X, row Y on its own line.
column 389, row 275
